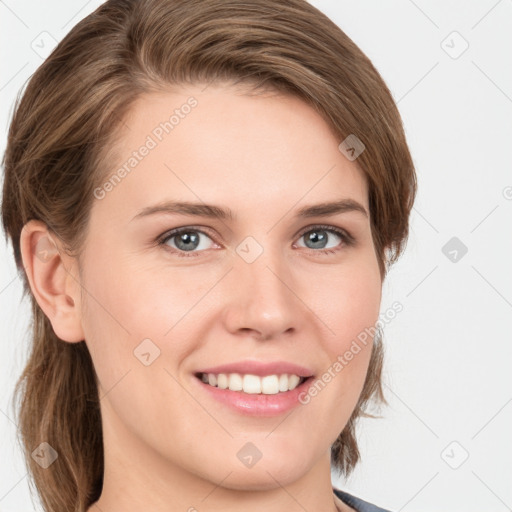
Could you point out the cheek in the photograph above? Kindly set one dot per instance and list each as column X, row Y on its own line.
column 350, row 310
column 133, row 308
column 132, row 297
column 347, row 300
column 119, row 312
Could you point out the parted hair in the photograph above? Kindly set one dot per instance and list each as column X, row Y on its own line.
column 69, row 113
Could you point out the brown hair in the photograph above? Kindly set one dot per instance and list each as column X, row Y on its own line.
column 68, row 116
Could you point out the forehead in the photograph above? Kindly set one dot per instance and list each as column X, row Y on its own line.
column 221, row 145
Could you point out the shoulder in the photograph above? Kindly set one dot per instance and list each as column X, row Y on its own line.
column 357, row 503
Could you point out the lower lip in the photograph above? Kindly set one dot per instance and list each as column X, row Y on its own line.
column 257, row 404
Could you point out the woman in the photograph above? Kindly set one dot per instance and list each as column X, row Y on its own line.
column 203, row 198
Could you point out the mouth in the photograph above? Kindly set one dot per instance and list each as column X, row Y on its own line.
column 254, row 395
column 253, row 384
column 254, row 387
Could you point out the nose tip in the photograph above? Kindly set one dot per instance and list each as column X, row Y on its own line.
column 261, row 300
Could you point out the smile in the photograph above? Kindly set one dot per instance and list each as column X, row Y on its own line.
column 253, row 384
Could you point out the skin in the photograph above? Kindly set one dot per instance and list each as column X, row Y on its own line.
column 168, row 445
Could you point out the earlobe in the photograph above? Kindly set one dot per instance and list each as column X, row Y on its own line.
column 51, row 274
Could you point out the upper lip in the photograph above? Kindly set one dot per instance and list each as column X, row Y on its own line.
column 260, row 368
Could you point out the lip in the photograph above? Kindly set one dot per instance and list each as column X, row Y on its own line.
column 256, row 405
column 259, row 368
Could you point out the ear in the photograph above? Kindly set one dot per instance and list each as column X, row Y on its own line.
column 53, row 279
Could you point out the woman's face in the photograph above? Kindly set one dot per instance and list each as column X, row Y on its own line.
column 258, row 286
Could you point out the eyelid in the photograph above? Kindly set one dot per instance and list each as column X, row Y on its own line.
column 343, row 233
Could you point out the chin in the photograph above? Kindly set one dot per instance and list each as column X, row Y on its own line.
column 264, row 479
column 267, row 473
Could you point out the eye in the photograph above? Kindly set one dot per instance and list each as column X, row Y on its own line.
column 185, row 240
column 317, row 237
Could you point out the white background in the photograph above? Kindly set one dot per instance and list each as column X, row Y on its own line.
column 449, row 352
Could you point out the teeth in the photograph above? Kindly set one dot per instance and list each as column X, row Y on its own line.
column 253, row 384
column 234, row 382
column 283, row 383
column 222, row 381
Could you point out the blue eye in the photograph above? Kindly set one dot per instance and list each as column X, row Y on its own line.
column 316, row 235
column 186, row 240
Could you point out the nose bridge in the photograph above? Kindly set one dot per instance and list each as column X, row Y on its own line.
column 262, row 282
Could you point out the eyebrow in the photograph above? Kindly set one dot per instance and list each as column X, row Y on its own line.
column 216, row 212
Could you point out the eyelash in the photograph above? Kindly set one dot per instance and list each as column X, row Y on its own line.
column 347, row 239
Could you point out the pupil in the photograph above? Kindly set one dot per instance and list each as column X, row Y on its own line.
column 317, row 239
column 188, row 241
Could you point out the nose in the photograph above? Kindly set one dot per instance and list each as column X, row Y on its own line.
column 262, row 302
